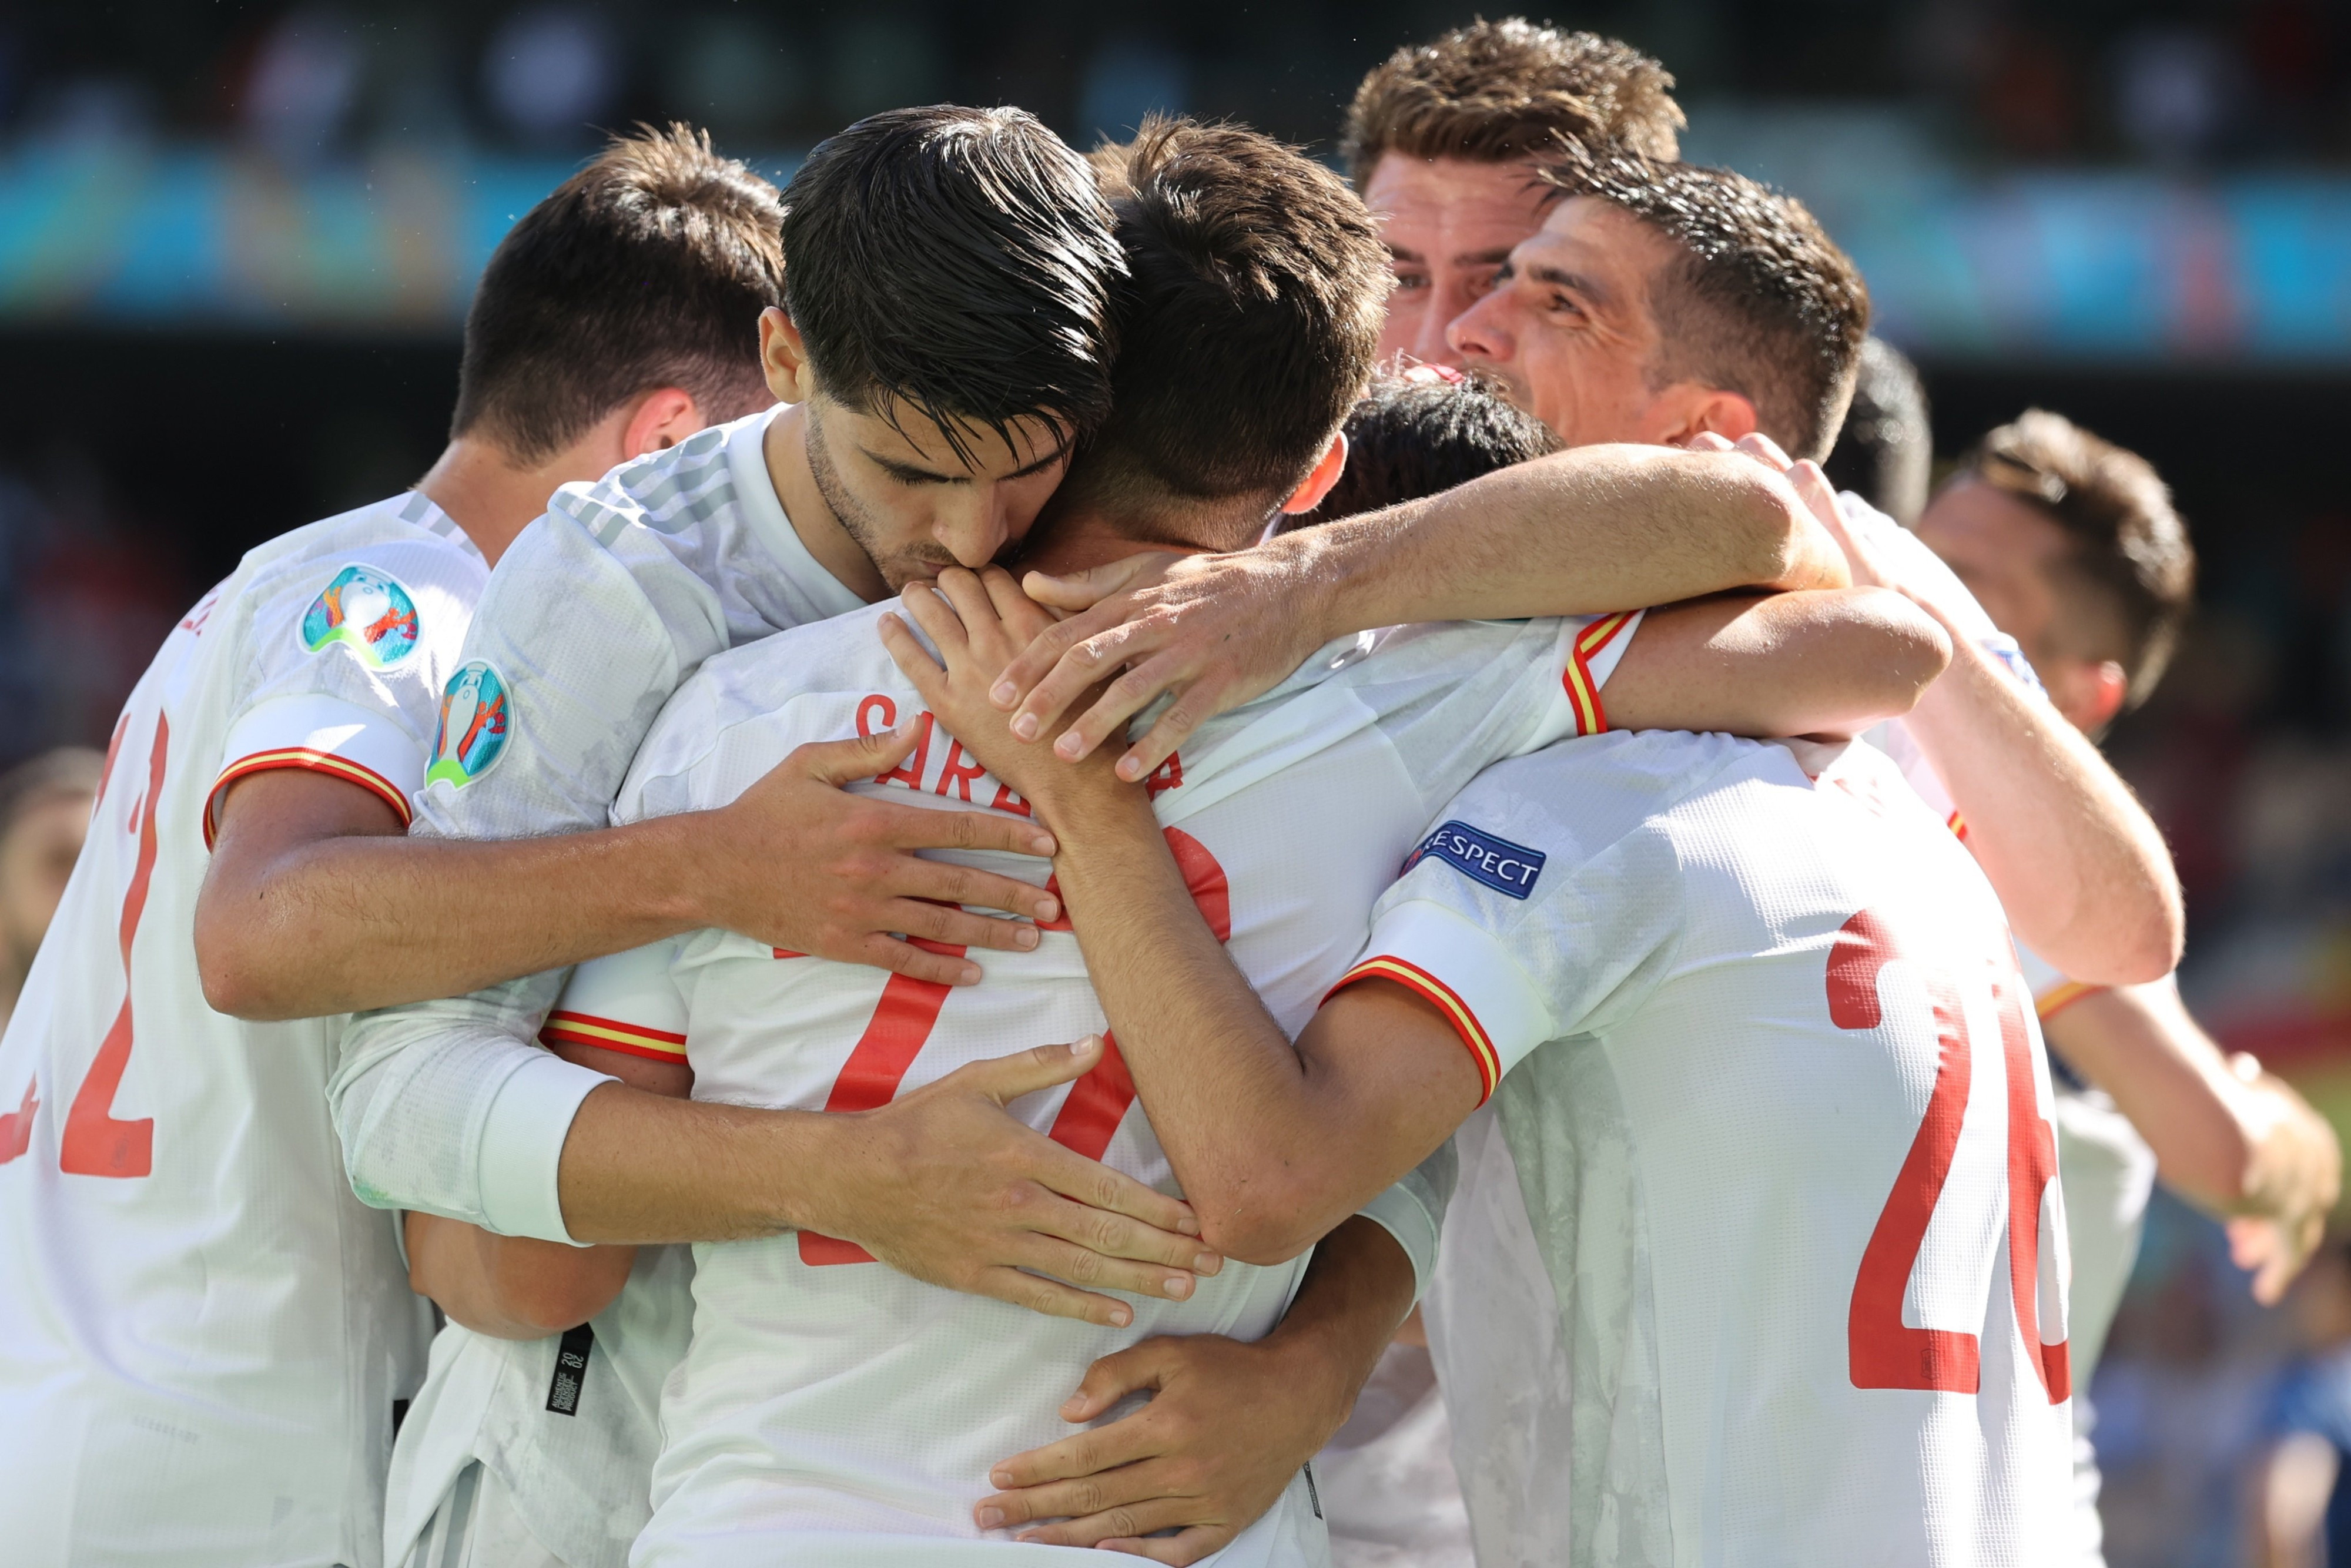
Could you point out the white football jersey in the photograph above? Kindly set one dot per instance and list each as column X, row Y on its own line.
column 832, row 1407
column 591, row 620
column 1782, row 1122
column 203, row 1333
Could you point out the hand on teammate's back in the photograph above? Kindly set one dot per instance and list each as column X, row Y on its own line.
column 943, row 1184
column 800, row 864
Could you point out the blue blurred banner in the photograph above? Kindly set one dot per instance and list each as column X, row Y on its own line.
column 2086, row 267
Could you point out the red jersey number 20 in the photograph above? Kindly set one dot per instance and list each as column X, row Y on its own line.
column 1885, row 1351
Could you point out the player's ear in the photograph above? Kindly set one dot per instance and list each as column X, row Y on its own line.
column 1687, row 408
column 784, row 358
column 663, row 417
column 1327, row 469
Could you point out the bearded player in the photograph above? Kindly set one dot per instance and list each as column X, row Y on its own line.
column 204, row 1339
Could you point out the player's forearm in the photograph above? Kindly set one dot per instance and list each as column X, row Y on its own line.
column 507, row 1287
column 2079, row 866
column 1357, row 1291
column 1599, row 528
column 1239, row 1117
column 348, row 923
column 640, row 1167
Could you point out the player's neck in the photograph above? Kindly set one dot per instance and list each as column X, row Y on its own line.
column 1081, row 539
column 490, row 496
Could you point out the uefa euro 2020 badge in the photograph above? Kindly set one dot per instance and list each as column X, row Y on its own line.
column 366, row 610
column 474, row 719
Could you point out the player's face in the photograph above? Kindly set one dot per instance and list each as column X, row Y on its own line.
column 1449, row 225
column 1568, row 329
column 2010, row 556
column 912, row 504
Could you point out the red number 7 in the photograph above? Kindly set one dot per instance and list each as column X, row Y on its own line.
column 909, row 1010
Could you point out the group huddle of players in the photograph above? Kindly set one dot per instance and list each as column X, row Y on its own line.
column 1064, row 1012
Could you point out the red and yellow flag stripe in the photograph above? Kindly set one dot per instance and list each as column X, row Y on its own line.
column 2064, row 997
column 612, row 1034
column 1446, row 1000
column 327, row 762
column 1583, row 691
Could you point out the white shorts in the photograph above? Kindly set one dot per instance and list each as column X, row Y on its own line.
column 477, row 1527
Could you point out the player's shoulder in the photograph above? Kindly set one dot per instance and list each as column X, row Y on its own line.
column 675, row 490
column 401, row 559
column 1575, row 799
column 841, row 654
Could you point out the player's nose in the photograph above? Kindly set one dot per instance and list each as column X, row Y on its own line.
column 1481, row 332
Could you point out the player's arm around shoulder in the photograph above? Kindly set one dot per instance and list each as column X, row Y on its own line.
column 1831, row 662
column 511, row 1287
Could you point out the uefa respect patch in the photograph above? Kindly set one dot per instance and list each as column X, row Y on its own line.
column 369, row 612
column 475, row 716
column 1508, row 869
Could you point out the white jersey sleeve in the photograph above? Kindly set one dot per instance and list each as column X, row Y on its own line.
column 1515, row 944
column 601, row 609
column 345, row 659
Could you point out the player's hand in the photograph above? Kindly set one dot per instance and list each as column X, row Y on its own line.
column 944, row 1184
column 1210, row 631
column 1206, row 1456
column 981, row 622
column 797, row 862
column 2302, row 1180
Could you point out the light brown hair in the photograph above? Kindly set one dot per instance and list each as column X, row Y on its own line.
column 2131, row 568
column 1494, row 91
column 1760, row 302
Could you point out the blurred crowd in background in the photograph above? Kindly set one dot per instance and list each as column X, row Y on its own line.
column 223, row 222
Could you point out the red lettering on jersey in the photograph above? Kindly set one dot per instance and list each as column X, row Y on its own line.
column 95, row 1142
column 902, row 1021
column 959, row 776
column 786, row 953
column 1005, row 800
column 1168, row 775
column 16, row 1126
column 201, row 614
column 910, row 773
column 872, row 704
column 1098, row 1103
column 106, row 774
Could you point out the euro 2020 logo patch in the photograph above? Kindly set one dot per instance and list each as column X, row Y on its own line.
column 475, row 716
column 366, row 610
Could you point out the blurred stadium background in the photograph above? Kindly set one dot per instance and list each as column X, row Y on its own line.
column 236, row 241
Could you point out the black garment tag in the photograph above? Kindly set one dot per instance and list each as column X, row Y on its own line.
column 1313, row 1492
column 570, row 1369
column 399, row 1414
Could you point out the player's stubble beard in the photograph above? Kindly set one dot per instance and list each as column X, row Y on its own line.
column 917, row 562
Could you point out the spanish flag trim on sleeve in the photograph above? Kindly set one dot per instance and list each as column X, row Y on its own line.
column 2062, row 997
column 1446, row 1000
column 1583, row 691
column 611, row 1034
column 327, row 762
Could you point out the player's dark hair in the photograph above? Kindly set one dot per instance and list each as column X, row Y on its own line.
column 1494, row 91
column 1760, row 302
column 647, row 268
column 1886, row 447
column 958, row 261
column 1247, row 325
column 2130, row 578
column 1416, row 435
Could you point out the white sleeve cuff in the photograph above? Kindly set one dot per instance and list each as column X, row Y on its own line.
column 1590, row 649
column 522, row 1146
column 1465, row 974
column 326, row 735
column 1405, row 1215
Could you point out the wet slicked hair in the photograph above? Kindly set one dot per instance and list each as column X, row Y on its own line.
column 1418, row 433
column 1248, row 326
column 647, row 268
column 1494, row 91
column 958, row 262
column 1759, row 301
column 2130, row 578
